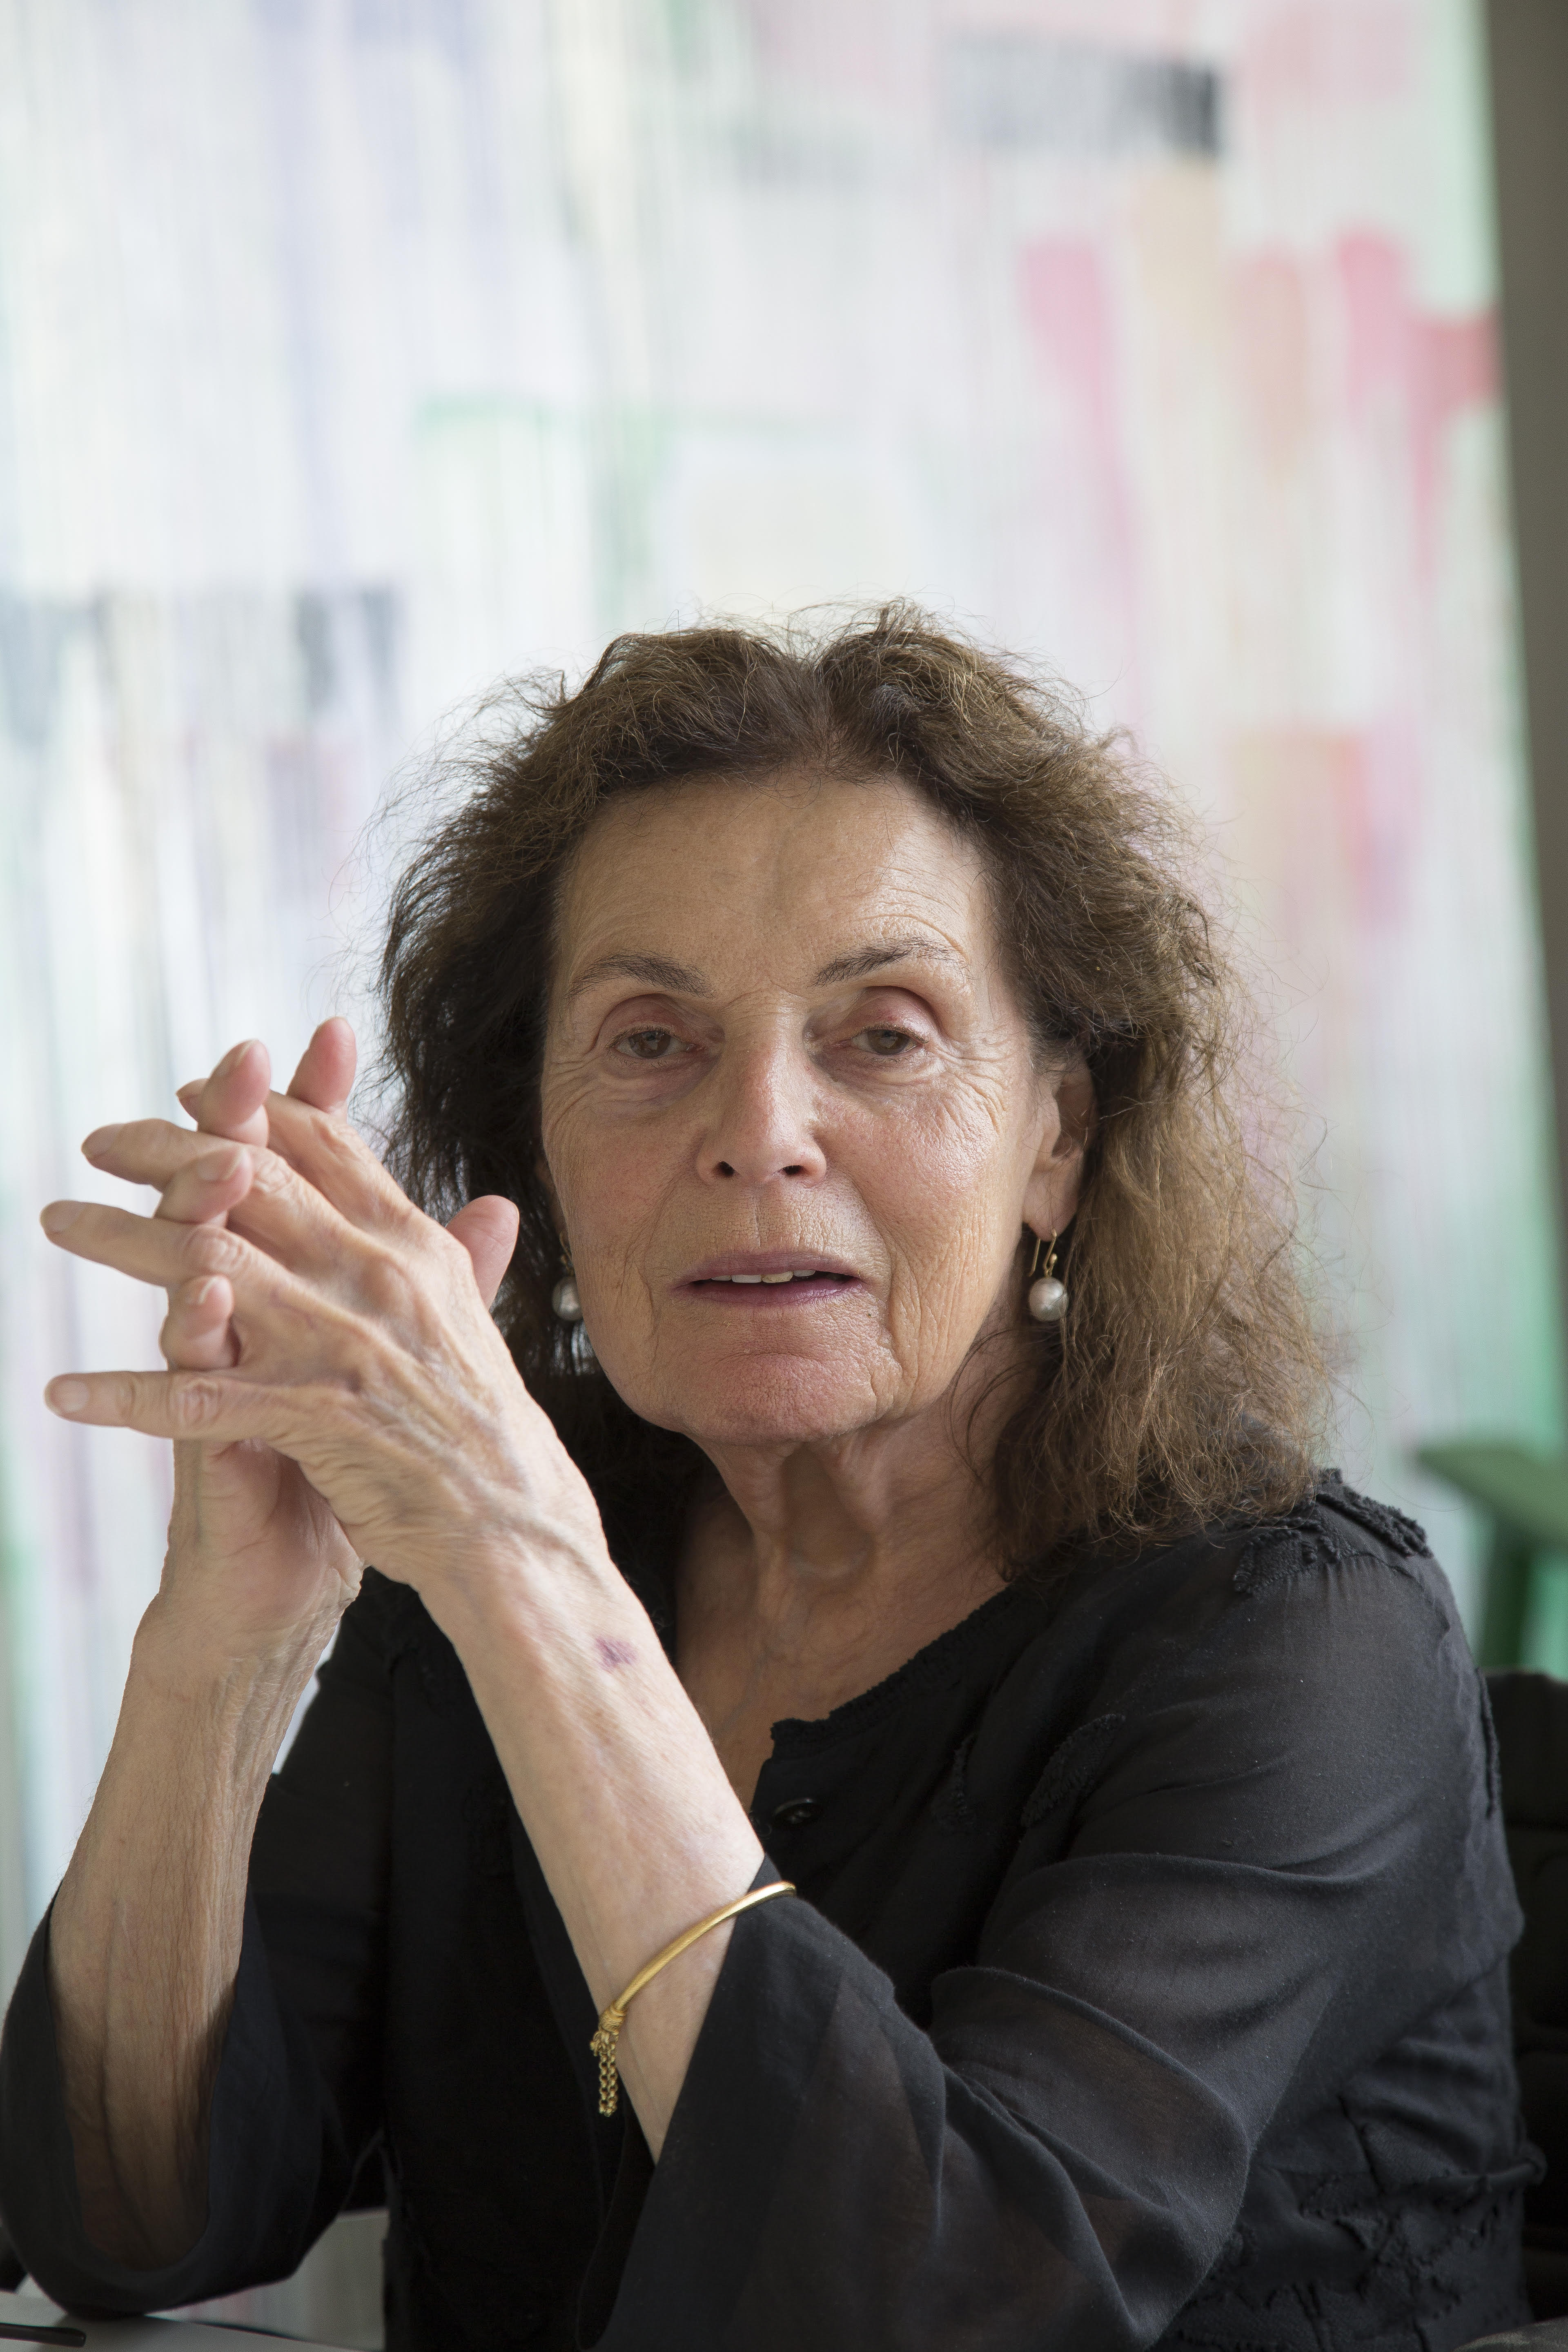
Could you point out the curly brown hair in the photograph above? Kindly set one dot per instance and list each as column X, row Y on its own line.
column 1185, row 1386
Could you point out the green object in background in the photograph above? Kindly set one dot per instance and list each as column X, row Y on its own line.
column 1543, row 1637
column 1524, row 1495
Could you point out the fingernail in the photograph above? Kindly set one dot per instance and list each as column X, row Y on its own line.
column 215, row 1166
column 101, row 1141
column 233, row 1058
column 66, row 1396
column 59, row 1215
column 196, row 1294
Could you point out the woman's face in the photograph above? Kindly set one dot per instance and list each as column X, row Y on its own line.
column 782, row 1042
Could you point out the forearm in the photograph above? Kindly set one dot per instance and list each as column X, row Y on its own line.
column 146, row 1929
column 636, row 1826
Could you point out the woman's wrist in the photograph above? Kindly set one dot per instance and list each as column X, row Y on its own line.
column 513, row 1579
column 224, row 1692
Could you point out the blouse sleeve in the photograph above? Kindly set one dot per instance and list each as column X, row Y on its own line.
column 294, row 2105
column 1285, row 1855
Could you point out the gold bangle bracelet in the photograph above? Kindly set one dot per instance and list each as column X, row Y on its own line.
column 606, row 2040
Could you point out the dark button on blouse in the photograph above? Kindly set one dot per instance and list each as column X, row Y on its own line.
column 795, row 1812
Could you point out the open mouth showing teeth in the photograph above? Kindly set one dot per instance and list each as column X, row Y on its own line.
column 801, row 1274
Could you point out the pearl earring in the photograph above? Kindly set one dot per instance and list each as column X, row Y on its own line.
column 563, row 1297
column 1047, row 1296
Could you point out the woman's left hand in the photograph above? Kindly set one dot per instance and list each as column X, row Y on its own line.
column 364, row 1348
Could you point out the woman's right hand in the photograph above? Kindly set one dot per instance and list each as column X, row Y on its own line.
column 257, row 1561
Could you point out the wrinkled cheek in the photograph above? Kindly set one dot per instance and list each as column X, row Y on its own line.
column 938, row 1309
column 918, row 1337
column 623, row 1333
column 613, row 1224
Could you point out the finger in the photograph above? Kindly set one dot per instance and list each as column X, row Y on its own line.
column 325, row 1076
column 151, row 1151
column 488, row 1230
column 157, row 1250
column 328, row 1152
column 282, row 1214
column 210, row 1185
column 279, row 1227
column 201, row 1179
column 196, row 1334
column 334, row 1157
column 190, row 1097
column 223, row 1408
column 231, row 1102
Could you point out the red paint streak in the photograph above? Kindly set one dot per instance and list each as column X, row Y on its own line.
column 1410, row 370
column 1350, row 805
column 1327, row 53
column 1068, row 313
column 1378, row 794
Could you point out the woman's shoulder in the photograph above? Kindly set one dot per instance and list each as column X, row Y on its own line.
column 1321, row 1605
column 1205, row 1571
column 1309, row 1668
column 1329, row 1528
column 1360, row 1571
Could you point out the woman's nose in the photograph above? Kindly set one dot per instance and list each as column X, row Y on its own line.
column 763, row 1116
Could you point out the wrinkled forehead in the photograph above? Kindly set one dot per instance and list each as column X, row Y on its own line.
column 773, row 878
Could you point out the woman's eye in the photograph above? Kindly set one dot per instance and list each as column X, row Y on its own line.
column 647, row 1045
column 888, row 1043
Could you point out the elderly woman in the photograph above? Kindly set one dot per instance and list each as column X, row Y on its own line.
column 871, row 1797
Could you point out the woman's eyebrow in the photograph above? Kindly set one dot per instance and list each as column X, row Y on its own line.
column 917, row 947
column 654, row 972
column 682, row 980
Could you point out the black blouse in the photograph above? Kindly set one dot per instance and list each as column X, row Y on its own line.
column 1148, row 1987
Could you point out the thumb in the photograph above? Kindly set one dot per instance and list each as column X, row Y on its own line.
column 488, row 1230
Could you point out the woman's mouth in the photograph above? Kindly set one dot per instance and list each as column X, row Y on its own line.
column 767, row 1282
column 771, row 1290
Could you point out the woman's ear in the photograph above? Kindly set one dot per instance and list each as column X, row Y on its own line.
column 1057, row 1180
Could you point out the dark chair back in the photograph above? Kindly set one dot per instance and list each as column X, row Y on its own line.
column 1531, row 1712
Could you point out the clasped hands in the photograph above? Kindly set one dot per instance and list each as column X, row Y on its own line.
column 337, row 1389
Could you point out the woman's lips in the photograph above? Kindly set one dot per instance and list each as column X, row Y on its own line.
column 777, row 1277
column 768, row 1290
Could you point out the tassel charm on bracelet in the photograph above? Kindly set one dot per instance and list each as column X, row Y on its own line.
column 605, row 2044
column 604, row 2047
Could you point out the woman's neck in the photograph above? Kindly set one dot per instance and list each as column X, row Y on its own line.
column 812, row 1525
column 889, row 1508
column 813, row 1572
